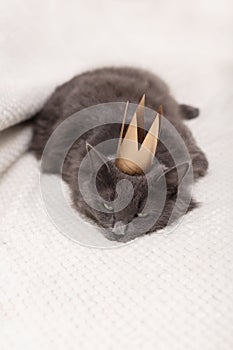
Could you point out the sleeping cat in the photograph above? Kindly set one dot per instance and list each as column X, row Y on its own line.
column 119, row 85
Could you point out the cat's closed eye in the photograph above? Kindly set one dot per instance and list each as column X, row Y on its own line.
column 108, row 207
column 142, row 215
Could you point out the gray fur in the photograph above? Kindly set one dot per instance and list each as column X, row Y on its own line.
column 115, row 85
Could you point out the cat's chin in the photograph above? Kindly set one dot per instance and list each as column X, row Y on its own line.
column 113, row 237
column 123, row 238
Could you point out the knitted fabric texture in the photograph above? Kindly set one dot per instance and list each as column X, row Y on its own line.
column 163, row 291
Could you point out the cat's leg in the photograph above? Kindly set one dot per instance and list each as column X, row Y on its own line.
column 198, row 157
column 188, row 112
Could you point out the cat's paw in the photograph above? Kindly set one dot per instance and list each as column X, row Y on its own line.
column 200, row 166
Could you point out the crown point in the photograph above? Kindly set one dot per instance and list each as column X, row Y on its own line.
column 140, row 119
column 160, row 109
column 142, row 101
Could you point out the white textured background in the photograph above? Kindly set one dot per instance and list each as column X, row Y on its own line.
column 164, row 291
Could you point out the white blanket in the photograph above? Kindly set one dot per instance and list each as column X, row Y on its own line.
column 164, row 291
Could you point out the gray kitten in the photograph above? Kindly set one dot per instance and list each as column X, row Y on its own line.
column 118, row 85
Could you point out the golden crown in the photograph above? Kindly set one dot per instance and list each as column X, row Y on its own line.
column 136, row 151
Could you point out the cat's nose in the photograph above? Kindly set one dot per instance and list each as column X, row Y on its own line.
column 119, row 228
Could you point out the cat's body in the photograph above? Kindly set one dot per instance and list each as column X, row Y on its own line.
column 116, row 85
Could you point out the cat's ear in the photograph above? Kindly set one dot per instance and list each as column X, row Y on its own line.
column 175, row 174
column 97, row 160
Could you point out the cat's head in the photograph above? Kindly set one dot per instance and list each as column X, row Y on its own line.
column 127, row 206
